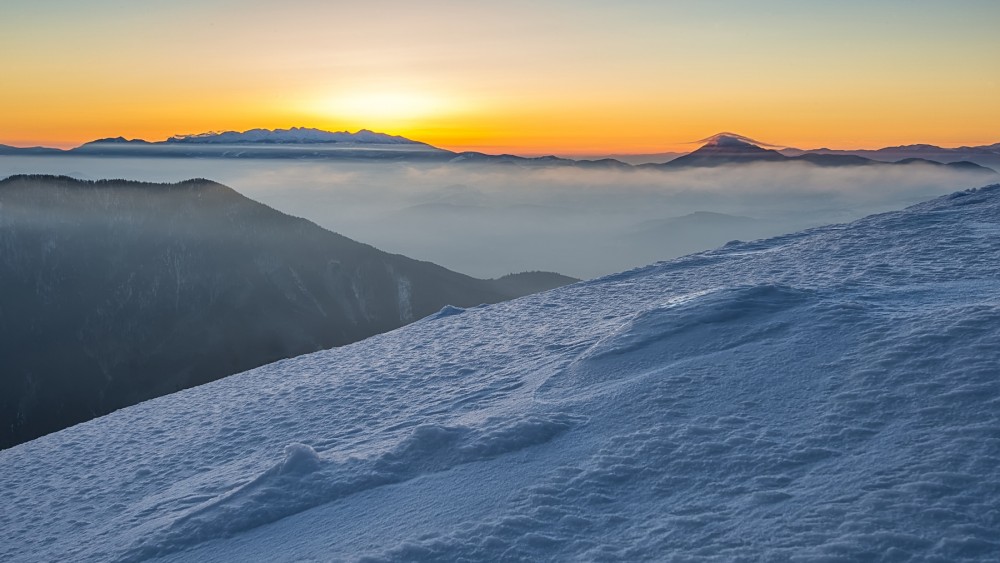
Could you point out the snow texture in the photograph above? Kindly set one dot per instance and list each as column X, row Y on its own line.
column 832, row 395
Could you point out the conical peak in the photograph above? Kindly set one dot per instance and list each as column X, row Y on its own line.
column 727, row 139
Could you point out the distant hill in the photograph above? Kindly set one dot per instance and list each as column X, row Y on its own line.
column 634, row 159
column 115, row 292
column 9, row 150
column 472, row 157
column 311, row 143
column 526, row 283
column 725, row 149
column 728, row 148
column 985, row 155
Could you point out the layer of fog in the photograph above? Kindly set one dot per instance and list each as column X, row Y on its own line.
column 489, row 220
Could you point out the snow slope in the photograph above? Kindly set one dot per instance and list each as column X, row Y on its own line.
column 829, row 395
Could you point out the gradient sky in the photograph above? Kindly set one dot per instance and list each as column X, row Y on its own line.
column 529, row 77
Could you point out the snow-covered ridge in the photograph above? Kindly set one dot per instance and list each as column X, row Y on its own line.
column 827, row 395
column 295, row 135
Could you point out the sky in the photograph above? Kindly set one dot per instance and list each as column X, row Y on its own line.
column 527, row 77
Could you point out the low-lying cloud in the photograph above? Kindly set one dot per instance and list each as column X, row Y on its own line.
column 488, row 220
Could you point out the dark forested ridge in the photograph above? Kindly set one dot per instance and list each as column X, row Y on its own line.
column 114, row 292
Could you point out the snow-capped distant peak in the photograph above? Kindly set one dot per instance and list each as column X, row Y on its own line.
column 726, row 139
column 119, row 140
column 295, row 135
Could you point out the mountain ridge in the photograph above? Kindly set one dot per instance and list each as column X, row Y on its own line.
column 293, row 135
column 729, row 149
column 307, row 142
column 983, row 155
column 147, row 288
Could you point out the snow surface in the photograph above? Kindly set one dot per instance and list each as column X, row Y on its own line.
column 829, row 395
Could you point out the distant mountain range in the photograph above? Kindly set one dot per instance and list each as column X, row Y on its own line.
column 309, row 143
column 726, row 149
column 985, row 155
column 115, row 292
column 639, row 158
column 295, row 135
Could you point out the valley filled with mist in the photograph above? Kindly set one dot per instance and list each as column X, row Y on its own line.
column 494, row 218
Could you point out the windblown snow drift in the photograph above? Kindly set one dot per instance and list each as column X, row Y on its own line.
column 833, row 394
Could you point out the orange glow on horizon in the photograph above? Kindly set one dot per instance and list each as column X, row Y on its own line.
column 628, row 78
column 527, row 140
column 568, row 149
column 529, row 125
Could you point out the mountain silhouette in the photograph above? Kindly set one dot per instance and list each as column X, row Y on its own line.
column 730, row 148
column 726, row 149
column 984, row 155
column 370, row 146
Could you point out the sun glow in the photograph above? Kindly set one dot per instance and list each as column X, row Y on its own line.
column 603, row 78
column 385, row 109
